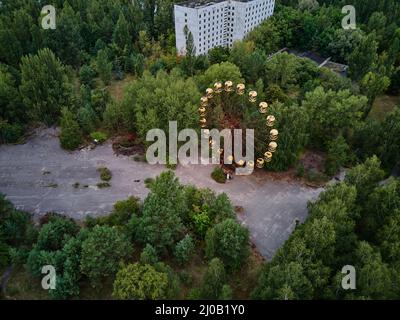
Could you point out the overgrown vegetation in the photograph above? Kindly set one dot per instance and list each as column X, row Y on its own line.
column 142, row 248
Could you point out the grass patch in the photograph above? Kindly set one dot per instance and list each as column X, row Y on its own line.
column 22, row 286
column 52, row 185
column 139, row 158
column 105, row 174
column 383, row 105
column 148, row 182
column 99, row 136
column 102, row 185
column 316, row 178
column 116, row 87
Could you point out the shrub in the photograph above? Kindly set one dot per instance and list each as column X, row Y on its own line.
column 102, row 252
column 70, row 136
column 99, row 136
column 228, row 241
column 4, row 254
column 300, row 170
column 148, row 182
column 226, row 292
column 214, row 279
column 314, row 176
column 105, row 174
column 10, row 133
column 136, row 281
column 218, row 175
column 184, row 249
column 338, row 154
column 169, row 165
column 52, row 236
column 86, row 75
column 148, row 255
column 102, row 185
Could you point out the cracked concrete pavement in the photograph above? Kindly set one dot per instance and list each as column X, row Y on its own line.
column 38, row 177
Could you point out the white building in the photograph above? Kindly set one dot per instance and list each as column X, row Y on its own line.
column 219, row 22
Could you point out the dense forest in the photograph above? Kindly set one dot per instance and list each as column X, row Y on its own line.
column 63, row 77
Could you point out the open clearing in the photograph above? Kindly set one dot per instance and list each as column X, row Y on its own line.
column 40, row 177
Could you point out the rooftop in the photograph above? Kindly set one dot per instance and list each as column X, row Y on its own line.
column 203, row 3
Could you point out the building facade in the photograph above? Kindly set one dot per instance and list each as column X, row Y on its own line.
column 219, row 22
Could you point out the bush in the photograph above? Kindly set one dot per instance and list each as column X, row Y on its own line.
column 148, row 255
column 102, row 185
column 99, row 136
column 70, row 136
column 317, row 177
column 141, row 282
column 4, row 254
column 226, row 293
column 102, row 252
column 184, row 249
column 120, row 216
column 300, row 170
column 10, row 133
column 338, row 154
column 53, row 235
column 214, row 279
column 218, row 175
column 228, row 241
column 105, row 174
column 148, row 182
column 86, row 75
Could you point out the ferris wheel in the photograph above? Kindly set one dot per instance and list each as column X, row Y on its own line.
column 223, row 96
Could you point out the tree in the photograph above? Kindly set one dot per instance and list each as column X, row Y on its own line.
column 332, row 113
column 102, row 252
column 373, row 85
column 66, row 40
column 54, row 234
column 267, row 37
column 11, row 107
column 148, row 255
column 86, row 75
column 160, row 224
column 44, row 87
column 103, row 66
column 121, row 37
column 363, row 58
column 218, row 54
column 190, row 54
column 365, row 177
column 374, row 280
column 292, row 122
column 219, row 73
column 338, row 154
column 152, row 102
column 282, row 70
column 284, row 282
column 214, row 279
column 184, row 249
column 87, row 119
column 70, row 136
column 229, row 242
column 141, row 282
column 221, row 208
